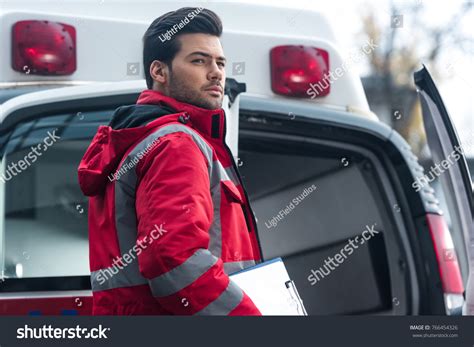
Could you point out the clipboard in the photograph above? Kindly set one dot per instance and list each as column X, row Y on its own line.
column 271, row 289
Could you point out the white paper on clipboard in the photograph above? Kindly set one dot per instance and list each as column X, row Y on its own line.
column 271, row 289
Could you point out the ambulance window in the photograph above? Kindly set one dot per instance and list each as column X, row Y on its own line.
column 45, row 214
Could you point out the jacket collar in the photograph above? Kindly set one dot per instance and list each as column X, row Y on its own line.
column 210, row 123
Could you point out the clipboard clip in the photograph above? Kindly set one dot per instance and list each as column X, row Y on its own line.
column 290, row 285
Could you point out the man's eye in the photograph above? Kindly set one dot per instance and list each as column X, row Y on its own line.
column 198, row 61
column 221, row 64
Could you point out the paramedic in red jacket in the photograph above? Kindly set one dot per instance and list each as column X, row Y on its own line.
column 169, row 219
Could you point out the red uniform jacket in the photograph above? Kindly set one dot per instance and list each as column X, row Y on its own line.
column 169, row 219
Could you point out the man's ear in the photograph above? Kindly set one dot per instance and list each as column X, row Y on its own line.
column 159, row 72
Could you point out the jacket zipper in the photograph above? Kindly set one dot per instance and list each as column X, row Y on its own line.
column 252, row 217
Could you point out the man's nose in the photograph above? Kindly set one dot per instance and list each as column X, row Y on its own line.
column 216, row 73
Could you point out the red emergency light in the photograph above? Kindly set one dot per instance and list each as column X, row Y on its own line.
column 43, row 47
column 297, row 70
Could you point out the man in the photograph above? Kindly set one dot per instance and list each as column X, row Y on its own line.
column 169, row 219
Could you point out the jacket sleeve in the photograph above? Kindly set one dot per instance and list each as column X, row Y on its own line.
column 175, row 212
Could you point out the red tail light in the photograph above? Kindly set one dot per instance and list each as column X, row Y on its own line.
column 43, row 48
column 445, row 254
column 297, row 70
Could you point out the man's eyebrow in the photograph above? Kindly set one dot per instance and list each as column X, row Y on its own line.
column 207, row 55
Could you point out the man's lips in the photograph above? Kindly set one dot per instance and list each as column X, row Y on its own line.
column 214, row 89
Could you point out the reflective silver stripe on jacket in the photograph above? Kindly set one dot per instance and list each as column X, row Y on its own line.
column 225, row 303
column 234, row 266
column 183, row 275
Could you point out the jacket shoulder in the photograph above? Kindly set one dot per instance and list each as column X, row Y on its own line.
column 172, row 140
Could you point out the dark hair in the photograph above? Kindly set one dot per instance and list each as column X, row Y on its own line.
column 155, row 48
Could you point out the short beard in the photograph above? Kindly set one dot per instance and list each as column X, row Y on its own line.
column 178, row 90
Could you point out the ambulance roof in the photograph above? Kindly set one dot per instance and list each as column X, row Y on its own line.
column 109, row 43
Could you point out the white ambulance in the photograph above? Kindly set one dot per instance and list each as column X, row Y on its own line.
column 64, row 68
